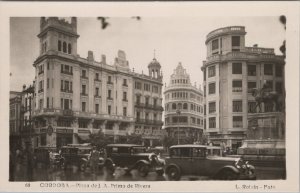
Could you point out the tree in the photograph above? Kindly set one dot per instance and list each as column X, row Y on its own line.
column 134, row 139
column 168, row 141
column 100, row 140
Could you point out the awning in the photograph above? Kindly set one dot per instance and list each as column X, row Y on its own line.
column 83, row 136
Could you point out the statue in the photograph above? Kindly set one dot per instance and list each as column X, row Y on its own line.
column 267, row 95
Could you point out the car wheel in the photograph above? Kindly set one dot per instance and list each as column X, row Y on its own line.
column 143, row 169
column 229, row 175
column 173, row 174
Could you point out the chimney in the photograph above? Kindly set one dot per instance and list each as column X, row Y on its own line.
column 74, row 23
column 90, row 57
column 24, row 87
column 255, row 45
column 103, row 59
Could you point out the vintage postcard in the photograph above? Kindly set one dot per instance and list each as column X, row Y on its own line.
column 150, row 97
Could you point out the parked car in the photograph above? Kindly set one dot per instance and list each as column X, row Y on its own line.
column 41, row 155
column 80, row 153
column 70, row 156
column 194, row 160
column 131, row 156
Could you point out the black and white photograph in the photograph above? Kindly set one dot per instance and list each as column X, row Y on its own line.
column 141, row 98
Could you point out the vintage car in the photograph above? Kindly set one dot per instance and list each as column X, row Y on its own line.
column 41, row 155
column 131, row 156
column 70, row 157
column 78, row 154
column 194, row 160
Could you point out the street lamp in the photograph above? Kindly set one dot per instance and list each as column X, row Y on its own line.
column 178, row 112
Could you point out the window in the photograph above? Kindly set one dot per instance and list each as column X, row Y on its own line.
column 154, row 102
column 66, row 85
column 251, row 107
column 83, row 106
column 215, row 44
column 237, row 121
column 41, row 104
column 83, row 74
column 97, row 76
column 47, row 102
column 124, row 96
column 64, row 123
column 83, row 89
column 69, row 48
column 48, row 83
column 251, row 85
column 155, row 89
column 65, row 47
column 125, row 111
column 251, row 70
column 212, row 107
column 237, row 86
column 185, row 106
column 211, row 71
column 109, row 80
column 96, row 91
column 268, row 107
column 278, row 71
column 235, row 41
column 62, row 103
column 59, row 45
column 146, row 101
column 269, row 84
column 138, row 99
column 174, row 106
column 66, row 104
column 48, row 66
column 278, row 87
column 138, row 85
column 146, row 87
column 82, row 124
column 70, row 103
column 212, row 88
column 109, row 109
column 212, row 122
column 236, row 68
column 237, row 106
column 97, row 108
column 268, row 69
column 125, row 82
column 109, row 94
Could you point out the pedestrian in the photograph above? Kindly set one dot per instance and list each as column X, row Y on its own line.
column 94, row 159
column 11, row 165
column 28, row 155
column 18, row 170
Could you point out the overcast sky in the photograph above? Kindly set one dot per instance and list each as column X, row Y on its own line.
column 174, row 39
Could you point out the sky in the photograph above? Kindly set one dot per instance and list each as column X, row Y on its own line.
column 180, row 39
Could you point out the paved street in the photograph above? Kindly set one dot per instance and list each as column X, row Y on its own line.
column 73, row 174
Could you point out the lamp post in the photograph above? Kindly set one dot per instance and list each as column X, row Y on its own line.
column 178, row 112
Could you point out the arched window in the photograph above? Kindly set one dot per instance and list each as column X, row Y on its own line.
column 185, row 106
column 65, row 47
column 179, row 106
column 69, row 48
column 59, row 45
column 174, row 106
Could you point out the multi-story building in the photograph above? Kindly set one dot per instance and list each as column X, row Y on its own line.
column 15, row 119
column 148, row 104
column 77, row 96
column 183, row 108
column 230, row 71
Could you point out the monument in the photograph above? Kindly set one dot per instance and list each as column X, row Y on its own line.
column 265, row 142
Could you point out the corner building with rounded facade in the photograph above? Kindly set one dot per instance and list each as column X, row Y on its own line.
column 230, row 70
column 183, row 108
